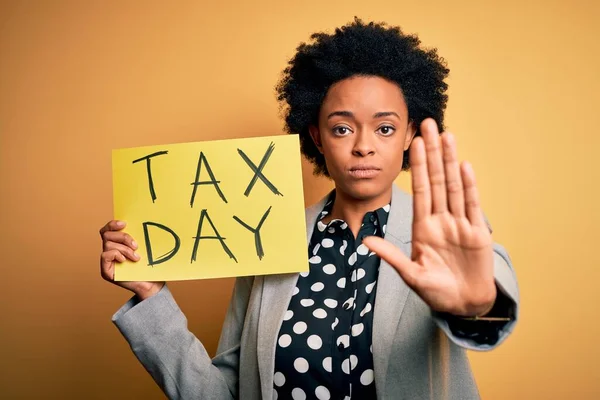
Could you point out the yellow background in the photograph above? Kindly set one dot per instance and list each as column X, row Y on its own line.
column 79, row 78
column 172, row 175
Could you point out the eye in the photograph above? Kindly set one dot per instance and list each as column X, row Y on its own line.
column 386, row 130
column 341, row 131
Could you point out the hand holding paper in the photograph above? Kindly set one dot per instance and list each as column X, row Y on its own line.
column 117, row 247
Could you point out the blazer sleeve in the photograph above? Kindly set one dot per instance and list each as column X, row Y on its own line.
column 485, row 335
column 157, row 332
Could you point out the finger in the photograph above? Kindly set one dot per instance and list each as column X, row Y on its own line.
column 454, row 186
column 125, row 250
column 113, row 225
column 407, row 269
column 120, row 237
column 107, row 261
column 435, row 165
column 471, row 194
column 420, row 180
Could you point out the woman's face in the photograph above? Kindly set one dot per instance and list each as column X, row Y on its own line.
column 363, row 132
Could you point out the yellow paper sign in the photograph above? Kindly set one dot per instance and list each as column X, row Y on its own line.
column 212, row 209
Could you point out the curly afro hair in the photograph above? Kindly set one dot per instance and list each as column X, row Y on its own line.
column 359, row 49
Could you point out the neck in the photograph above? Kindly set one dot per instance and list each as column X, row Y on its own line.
column 352, row 210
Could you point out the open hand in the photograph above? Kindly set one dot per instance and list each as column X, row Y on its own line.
column 452, row 267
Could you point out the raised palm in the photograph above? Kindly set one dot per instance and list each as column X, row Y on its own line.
column 452, row 256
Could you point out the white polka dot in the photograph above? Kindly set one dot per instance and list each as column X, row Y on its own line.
column 314, row 342
column 285, row 340
column 362, row 250
column 385, row 226
column 386, row 208
column 321, row 226
column 343, row 248
column 298, row 394
column 307, row 302
column 317, row 287
column 344, row 225
column 371, row 253
column 335, row 323
column 331, row 229
column 279, row 379
column 322, row 393
column 299, row 327
column 316, row 249
column 288, row 314
column 296, row 291
column 327, row 364
column 345, row 340
column 314, row 260
column 346, row 366
column 353, row 361
column 367, row 377
column 369, row 287
column 331, row 303
column 357, row 329
column 348, row 303
column 320, row 313
column 352, row 259
column 361, row 273
column 341, row 283
column 327, row 243
column 366, row 310
column 304, row 274
column 275, row 395
column 329, row 269
column 371, row 348
column 301, row 365
column 358, row 274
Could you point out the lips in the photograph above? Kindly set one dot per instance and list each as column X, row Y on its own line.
column 364, row 171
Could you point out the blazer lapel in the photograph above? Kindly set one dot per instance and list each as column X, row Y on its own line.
column 392, row 292
column 276, row 294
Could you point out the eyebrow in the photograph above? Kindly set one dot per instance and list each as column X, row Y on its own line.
column 351, row 115
column 385, row 114
column 340, row 114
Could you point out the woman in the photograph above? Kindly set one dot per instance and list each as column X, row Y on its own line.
column 398, row 286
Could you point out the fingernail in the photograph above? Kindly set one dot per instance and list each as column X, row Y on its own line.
column 134, row 244
column 136, row 255
column 120, row 224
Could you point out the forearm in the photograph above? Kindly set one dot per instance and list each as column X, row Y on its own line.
column 157, row 332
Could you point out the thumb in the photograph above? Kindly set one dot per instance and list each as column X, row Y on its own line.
column 395, row 257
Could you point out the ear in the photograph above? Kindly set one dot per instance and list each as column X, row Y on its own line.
column 410, row 134
column 316, row 137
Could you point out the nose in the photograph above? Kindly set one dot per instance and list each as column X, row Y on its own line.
column 363, row 144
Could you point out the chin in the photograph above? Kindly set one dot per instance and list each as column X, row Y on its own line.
column 364, row 189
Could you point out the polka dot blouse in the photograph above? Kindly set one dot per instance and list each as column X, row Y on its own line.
column 324, row 347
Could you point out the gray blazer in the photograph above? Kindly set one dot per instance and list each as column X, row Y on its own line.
column 415, row 354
